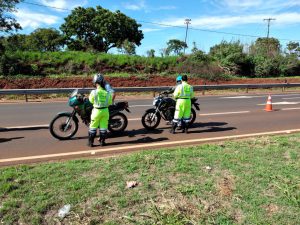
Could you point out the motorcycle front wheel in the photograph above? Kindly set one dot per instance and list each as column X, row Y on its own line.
column 117, row 123
column 193, row 116
column 151, row 119
column 63, row 126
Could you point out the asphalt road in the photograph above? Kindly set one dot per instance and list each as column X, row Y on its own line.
column 24, row 136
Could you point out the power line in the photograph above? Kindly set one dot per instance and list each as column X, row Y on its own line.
column 46, row 6
column 168, row 25
column 199, row 29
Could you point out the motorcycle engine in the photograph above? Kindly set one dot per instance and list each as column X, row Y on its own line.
column 169, row 113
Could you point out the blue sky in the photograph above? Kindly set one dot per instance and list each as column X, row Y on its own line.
column 210, row 19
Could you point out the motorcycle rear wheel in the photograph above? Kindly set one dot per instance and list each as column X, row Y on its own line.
column 117, row 123
column 150, row 119
column 58, row 127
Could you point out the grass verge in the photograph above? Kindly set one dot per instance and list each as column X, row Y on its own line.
column 254, row 181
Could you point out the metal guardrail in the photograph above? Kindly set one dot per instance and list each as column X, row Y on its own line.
column 202, row 88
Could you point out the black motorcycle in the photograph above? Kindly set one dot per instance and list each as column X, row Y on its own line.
column 65, row 124
column 164, row 108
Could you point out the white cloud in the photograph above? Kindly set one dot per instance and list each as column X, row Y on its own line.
column 32, row 20
column 257, row 5
column 135, row 6
column 167, row 7
column 147, row 30
column 141, row 5
column 218, row 22
column 63, row 4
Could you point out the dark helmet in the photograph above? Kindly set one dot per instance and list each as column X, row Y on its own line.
column 98, row 79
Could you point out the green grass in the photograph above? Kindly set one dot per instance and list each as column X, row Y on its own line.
column 255, row 181
column 81, row 63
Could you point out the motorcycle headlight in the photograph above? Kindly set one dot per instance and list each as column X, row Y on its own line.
column 155, row 101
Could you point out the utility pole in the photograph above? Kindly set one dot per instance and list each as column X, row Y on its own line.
column 268, row 44
column 187, row 22
column 269, row 22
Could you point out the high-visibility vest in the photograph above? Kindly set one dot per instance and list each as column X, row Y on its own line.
column 100, row 98
column 184, row 91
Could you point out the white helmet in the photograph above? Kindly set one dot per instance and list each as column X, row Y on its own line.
column 98, row 78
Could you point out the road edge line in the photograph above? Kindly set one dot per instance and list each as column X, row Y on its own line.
column 94, row 151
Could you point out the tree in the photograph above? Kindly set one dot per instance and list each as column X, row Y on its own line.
column 99, row 29
column 8, row 23
column 16, row 42
column 128, row 47
column 176, row 46
column 46, row 39
column 294, row 48
column 151, row 53
column 231, row 57
column 194, row 49
column 267, row 47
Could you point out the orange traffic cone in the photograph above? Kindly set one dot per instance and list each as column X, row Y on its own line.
column 269, row 104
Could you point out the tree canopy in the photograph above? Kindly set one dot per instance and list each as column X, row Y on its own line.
column 46, row 39
column 229, row 54
column 41, row 39
column 99, row 29
column 176, row 46
column 267, row 47
column 7, row 22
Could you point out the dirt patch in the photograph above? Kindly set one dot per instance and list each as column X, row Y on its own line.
column 134, row 81
column 226, row 186
column 271, row 209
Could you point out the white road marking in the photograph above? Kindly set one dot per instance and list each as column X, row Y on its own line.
column 138, row 119
column 290, row 109
column 130, row 119
column 223, row 113
column 259, row 96
column 282, row 103
column 291, row 98
column 116, row 149
column 237, row 97
column 24, row 127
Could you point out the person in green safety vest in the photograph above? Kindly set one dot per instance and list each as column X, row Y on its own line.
column 183, row 94
column 100, row 99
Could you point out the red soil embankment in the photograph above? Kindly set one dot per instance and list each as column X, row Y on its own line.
column 31, row 83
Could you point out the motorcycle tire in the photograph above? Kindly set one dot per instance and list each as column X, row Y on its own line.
column 57, row 127
column 193, row 116
column 117, row 123
column 146, row 119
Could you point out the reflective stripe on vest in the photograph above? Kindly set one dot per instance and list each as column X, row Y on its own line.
column 97, row 102
column 186, row 91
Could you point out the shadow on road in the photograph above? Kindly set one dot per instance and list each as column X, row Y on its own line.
column 126, row 133
column 3, row 129
column 134, row 132
column 143, row 140
column 2, row 140
column 210, row 127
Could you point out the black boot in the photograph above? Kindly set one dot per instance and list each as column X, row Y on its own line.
column 183, row 126
column 103, row 136
column 91, row 139
column 174, row 125
column 186, row 127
